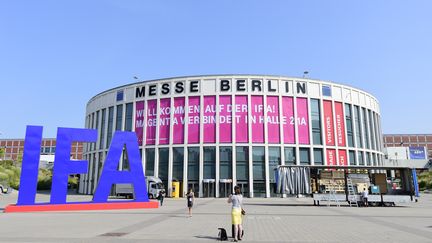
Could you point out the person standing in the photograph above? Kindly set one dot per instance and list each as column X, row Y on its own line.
column 190, row 201
column 365, row 195
column 236, row 212
column 160, row 197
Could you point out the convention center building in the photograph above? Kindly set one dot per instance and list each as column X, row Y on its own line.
column 212, row 132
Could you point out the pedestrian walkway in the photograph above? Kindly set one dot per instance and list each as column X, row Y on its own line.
column 267, row 220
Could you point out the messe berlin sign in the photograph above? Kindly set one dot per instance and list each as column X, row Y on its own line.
column 64, row 166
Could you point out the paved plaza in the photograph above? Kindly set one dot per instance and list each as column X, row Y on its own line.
column 267, row 220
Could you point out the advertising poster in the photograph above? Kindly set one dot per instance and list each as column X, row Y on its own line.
column 209, row 119
column 288, row 114
column 194, row 119
column 343, row 161
column 178, row 120
column 328, row 123
column 417, row 153
column 273, row 119
column 241, row 113
column 331, row 157
column 302, row 121
column 151, row 122
column 225, row 119
column 257, row 119
column 340, row 124
column 164, row 120
column 139, row 121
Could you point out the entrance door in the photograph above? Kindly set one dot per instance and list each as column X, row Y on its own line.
column 225, row 187
column 209, row 188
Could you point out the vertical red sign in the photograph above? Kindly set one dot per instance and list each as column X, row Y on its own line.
column 151, row 122
column 164, row 120
column 241, row 116
column 257, row 119
column 194, row 119
column 328, row 123
column 178, row 120
column 139, row 121
column 288, row 119
column 343, row 157
column 340, row 124
column 209, row 119
column 331, row 157
column 225, row 119
column 273, row 119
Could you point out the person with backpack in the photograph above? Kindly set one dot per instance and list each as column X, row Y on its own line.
column 236, row 212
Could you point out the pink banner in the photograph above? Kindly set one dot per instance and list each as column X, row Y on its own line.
column 343, row 161
column 302, row 121
column 257, row 118
column 241, row 116
column 273, row 119
column 164, row 120
column 225, row 119
column 178, row 120
column 209, row 119
column 340, row 124
column 139, row 121
column 193, row 120
column 331, row 157
column 288, row 119
column 328, row 123
column 151, row 122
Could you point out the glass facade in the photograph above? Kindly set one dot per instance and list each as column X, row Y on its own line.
column 358, row 127
column 178, row 158
column 128, row 119
column 102, row 130
column 290, row 156
column 274, row 161
column 258, row 161
column 193, row 163
column 304, row 156
column 352, row 158
column 225, row 162
column 349, row 125
column 163, row 165
column 316, row 121
column 318, row 156
column 209, row 162
column 365, row 127
column 149, row 161
column 110, row 126
column 119, row 116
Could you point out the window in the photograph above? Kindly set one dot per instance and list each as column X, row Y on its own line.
column 178, row 158
column 352, row 158
column 102, row 130
column 274, row 161
column 209, row 162
column 368, row 159
column 119, row 117
column 258, row 157
column 318, row 157
column 358, row 127
column 304, row 156
column 360, row 158
column 349, row 125
column 225, row 162
column 128, row 121
column 372, row 130
column 150, row 161
column 193, row 163
column 163, row 165
column 242, row 163
column 316, row 121
column 365, row 127
column 110, row 125
column 290, row 156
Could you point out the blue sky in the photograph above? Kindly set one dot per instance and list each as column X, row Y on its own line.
column 56, row 55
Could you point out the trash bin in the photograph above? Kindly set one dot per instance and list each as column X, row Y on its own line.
column 175, row 189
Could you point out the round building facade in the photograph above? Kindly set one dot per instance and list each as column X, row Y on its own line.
column 210, row 133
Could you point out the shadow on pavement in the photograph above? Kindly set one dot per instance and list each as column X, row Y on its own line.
column 206, row 237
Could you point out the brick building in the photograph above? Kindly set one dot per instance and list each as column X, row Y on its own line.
column 407, row 140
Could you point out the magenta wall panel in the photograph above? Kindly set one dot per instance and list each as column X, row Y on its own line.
column 273, row 120
column 288, row 117
column 164, row 120
column 241, row 116
column 151, row 122
column 225, row 119
column 178, row 120
column 257, row 118
column 209, row 119
column 302, row 121
column 193, row 119
column 139, row 121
